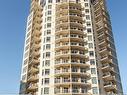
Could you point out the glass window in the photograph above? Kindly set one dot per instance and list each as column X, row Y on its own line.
column 47, row 63
column 89, row 30
column 46, row 80
column 48, row 25
column 49, row 6
column 46, row 90
column 94, row 80
column 49, row 18
column 49, row 1
column 47, row 71
column 48, row 39
column 90, row 38
column 92, row 62
column 93, row 71
column 48, row 32
column 48, row 46
column 90, row 45
column 95, row 91
column 49, row 12
column 91, row 53
column 47, row 54
column 87, row 10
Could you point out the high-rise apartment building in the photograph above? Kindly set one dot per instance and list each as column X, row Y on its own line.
column 69, row 49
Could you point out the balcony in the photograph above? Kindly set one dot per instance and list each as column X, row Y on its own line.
column 102, row 42
column 100, row 34
column 34, row 61
column 70, row 92
column 35, row 53
column 62, row 72
column 110, row 87
column 105, row 58
column 32, row 87
column 103, row 50
column 33, row 78
column 35, row 46
column 33, row 69
column 108, row 77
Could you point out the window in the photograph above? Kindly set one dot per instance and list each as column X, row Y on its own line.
column 89, row 30
column 48, row 25
column 25, row 69
column 27, row 47
column 93, row 71
column 47, row 54
column 47, row 71
column 91, row 53
column 95, row 90
column 90, row 45
column 28, row 40
column 49, row 1
column 49, row 6
column 92, row 62
column 87, row 10
column 47, row 63
column 49, row 12
column 48, row 46
column 94, row 80
column 25, row 62
column 88, row 23
column 46, row 80
column 28, row 34
column 90, row 38
column 42, row 72
column 74, row 69
column 48, row 32
column 87, row 17
column 86, row 4
column 42, row 82
column 24, row 77
column 48, row 18
column 46, row 90
column 48, row 39
column 26, row 54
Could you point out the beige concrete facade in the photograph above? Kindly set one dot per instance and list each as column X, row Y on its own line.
column 69, row 49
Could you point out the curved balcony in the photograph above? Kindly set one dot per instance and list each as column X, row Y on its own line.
column 33, row 69
column 62, row 47
column 73, row 92
column 33, row 78
column 32, row 88
column 62, row 39
column 110, row 87
column 62, row 73
column 34, row 61
column 62, row 12
column 81, row 74
column 73, row 55
column 107, row 68
column 80, row 56
column 75, row 5
column 103, row 50
column 76, row 17
column 75, row 11
column 102, row 42
column 65, row 84
column 108, row 77
column 104, row 58
column 58, row 65
column 35, row 53
column 78, row 47
column 71, row 31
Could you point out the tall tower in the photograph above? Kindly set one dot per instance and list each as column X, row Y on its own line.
column 69, row 49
